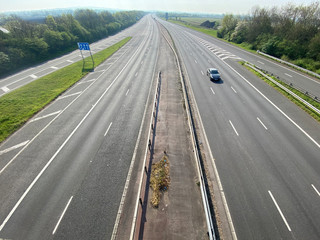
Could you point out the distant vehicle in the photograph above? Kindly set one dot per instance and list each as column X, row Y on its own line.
column 213, row 74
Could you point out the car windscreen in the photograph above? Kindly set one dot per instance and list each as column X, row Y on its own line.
column 214, row 72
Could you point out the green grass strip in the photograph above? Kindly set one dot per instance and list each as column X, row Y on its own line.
column 18, row 106
column 213, row 33
column 308, row 110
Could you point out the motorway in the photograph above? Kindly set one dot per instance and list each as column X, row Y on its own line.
column 63, row 174
column 22, row 78
column 265, row 148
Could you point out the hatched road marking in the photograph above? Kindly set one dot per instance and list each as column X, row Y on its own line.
column 13, row 147
column 5, row 89
column 48, row 115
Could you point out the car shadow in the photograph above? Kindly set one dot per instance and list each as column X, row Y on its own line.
column 218, row 82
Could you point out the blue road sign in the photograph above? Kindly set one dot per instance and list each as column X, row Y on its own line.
column 83, row 46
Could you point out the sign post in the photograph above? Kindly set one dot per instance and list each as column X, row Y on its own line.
column 85, row 46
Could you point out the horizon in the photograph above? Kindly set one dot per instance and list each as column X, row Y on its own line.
column 182, row 6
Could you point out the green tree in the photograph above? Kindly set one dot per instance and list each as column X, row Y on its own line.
column 229, row 23
column 51, row 23
column 4, row 61
column 314, row 47
column 54, row 40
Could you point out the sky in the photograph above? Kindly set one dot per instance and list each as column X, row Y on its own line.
column 199, row 6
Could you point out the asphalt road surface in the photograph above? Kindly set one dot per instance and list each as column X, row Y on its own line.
column 63, row 174
column 24, row 77
column 265, row 148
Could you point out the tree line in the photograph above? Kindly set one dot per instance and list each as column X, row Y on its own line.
column 28, row 43
column 290, row 32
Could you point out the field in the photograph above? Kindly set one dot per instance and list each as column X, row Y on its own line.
column 193, row 21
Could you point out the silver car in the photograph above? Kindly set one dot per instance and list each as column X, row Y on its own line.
column 213, row 74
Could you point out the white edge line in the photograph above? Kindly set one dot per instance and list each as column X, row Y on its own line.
column 262, row 123
column 14, row 147
column 262, row 58
column 224, row 200
column 105, row 134
column 119, row 213
column 61, row 147
column 315, row 189
column 48, row 115
column 293, row 122
column 279, row 210
column 64, row 211
column 2, row 170
column 233, row 128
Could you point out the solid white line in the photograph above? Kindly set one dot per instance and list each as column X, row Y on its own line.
column 48, row 115
column 33, row 76
column 14, row 147
column 233, row 89
column 260, row 62
column 293, row 122
column 88, row 81
column 62, row 146
column 315, row 189
column 288, row 75
column 127, row 92
column 64, row 211
column 212, row 91
column 224, row 200
column 234, row 128
column 43, row 129
column 105, row 134
column 70, row 95
column 115, row 228
column 262, row 123
column 5, row 89
column 283, row 218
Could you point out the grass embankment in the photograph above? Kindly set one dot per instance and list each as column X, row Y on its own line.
column 314, row 103
column 18, row 106
column 207, row 31
column 159, row 180
column 213, row 33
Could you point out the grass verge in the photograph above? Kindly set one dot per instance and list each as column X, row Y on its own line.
column 213, row 33
column 159, row 180
column 18, row 106
column 314, row 103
